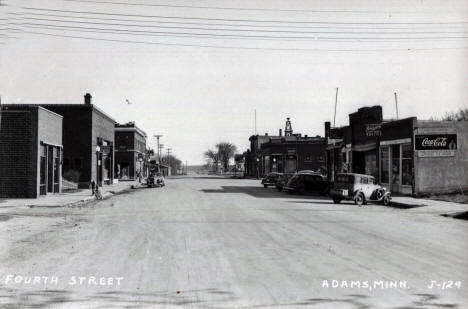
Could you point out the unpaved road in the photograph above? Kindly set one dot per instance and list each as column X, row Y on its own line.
column 223, row 243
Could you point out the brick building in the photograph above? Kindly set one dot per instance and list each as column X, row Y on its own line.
column 30, row 151
column 130, row 151
column 88, row 142
column 284, row 153
column 290, row 154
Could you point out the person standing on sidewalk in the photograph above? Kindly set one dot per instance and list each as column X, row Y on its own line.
column 93, row 187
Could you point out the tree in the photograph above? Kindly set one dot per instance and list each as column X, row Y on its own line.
column 225, row 153
column 461, row 115
column 212, row 157
column 173, row 162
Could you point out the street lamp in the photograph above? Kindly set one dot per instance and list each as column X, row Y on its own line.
column 98, row 150
column 141, row 168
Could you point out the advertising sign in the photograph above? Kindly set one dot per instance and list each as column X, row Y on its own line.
column 374, row 129
column 435, row 145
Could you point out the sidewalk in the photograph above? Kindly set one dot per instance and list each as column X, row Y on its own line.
column 68, row 198
column 429, row 206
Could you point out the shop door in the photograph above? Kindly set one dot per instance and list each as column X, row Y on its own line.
column 290, row 165
column 396, row 167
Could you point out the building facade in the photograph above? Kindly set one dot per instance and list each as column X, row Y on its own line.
column 407, row 156
column 291, row 154
column 30, row 151
column 88, row 142
column 130, row 151
column 286, row 153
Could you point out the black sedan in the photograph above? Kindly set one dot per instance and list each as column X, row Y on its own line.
column 271, row 179
column 308, row 183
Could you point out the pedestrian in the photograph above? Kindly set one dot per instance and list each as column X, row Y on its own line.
column 93, row 186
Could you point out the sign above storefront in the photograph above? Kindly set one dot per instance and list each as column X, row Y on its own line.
column 435, row 145
column 374, row 129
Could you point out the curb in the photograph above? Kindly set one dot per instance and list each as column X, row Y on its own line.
column 83, row 202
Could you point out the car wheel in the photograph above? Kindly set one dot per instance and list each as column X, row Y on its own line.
column 336, row 200
column 359, row 199
column 265, row 186
column 386, row 200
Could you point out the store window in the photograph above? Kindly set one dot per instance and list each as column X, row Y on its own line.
column 406, row 165
column 384, row 165
column 396, row 165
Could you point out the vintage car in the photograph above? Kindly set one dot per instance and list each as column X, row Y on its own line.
column 283, row 180
column 308, row 182
column 270, row 179
column 358, row 188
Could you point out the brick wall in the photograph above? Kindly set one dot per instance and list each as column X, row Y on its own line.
column 18, row 153
column 76, row 136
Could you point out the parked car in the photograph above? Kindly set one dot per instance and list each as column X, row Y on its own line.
column 358, row 188
column 283, row 180
column 270, row 179
column 308, row 182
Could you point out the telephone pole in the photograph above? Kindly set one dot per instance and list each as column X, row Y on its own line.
column 169, row 156
column 159, row 153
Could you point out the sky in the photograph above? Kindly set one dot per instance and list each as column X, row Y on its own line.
column 195, row 71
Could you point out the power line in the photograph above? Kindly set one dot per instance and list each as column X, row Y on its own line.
column 314, row 38
column 243, row 47
column 238, row 8
column 223, row 36
column 244, row 30
column 246, row 20
column 223, row 24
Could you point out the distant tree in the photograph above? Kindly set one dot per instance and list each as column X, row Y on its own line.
column 461, row 115
column 212, row 158
column 225, row 153
column 173, row 162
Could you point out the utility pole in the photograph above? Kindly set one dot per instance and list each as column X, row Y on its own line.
column 396, row 104
column 169, row 157
column 157, row 150
column 336, row 102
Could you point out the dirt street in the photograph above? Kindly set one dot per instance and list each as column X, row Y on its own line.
column 210, row 242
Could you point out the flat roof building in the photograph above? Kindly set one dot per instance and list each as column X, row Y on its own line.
column 88, row 142
column 130, row 151
column 30, row 151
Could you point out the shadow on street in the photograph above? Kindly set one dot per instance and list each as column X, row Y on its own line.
column 260, row 192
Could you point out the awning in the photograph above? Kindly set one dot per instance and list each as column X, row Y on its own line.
column 364, row 147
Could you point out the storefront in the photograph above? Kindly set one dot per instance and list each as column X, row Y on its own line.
column 30, row 151
column 366, row 130
column 290, row 154
column 407, row 156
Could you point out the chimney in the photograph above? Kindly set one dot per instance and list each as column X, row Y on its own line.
column 327, row 129
column 266, row 134
column 87, row 99
column 280, row 132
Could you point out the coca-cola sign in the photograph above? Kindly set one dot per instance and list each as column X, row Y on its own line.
column 435, row 142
